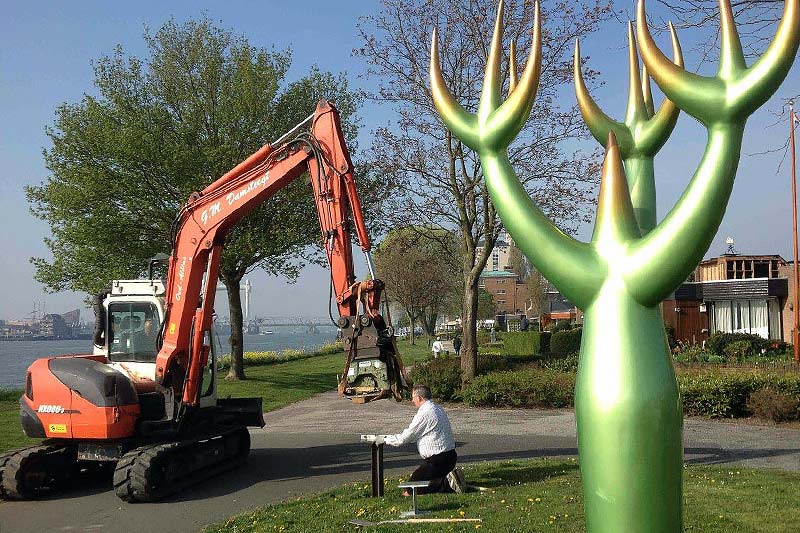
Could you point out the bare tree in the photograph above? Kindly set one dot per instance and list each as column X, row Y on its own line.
column 438, row 178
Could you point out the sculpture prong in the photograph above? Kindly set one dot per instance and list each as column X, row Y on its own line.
column 764, row 77
column 636, row 103
column 599, row 123
column 490, row 95
column 655, row 131
column 697, row 95
column 456, row 118
column 731, row 58
column 512, row 68
column 615, row 221
column 506, row 121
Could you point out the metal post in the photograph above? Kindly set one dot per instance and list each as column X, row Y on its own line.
column 377, row 470
column 796, row 311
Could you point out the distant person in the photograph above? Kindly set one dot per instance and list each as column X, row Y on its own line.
column 437, row 347
column 492, row 335
column 430, row 428
column 144, row 341
column 457, row 345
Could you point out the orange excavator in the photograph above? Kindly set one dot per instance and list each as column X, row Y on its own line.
column 146, row 400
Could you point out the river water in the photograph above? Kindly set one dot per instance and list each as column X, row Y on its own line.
column 16, row 356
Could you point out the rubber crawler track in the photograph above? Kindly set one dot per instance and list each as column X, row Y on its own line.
column 152, row 472
column 30, row 472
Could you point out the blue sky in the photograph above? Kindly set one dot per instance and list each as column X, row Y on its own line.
column 46, row 49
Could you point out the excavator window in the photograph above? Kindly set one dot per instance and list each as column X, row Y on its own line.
column 133, row 327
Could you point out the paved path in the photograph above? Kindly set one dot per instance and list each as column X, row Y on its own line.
column 313, row 446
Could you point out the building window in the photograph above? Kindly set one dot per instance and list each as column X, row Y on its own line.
column 499, row 281
column 759, row 317
column 501, row 302
column 495, row 261
column 501, row 291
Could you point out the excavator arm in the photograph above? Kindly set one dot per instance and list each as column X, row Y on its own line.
column 200, row 231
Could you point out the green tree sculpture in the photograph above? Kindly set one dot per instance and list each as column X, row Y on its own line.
column 640, row 136
column 627, row 405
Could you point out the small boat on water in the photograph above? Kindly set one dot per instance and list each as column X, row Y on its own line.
column 267, row 332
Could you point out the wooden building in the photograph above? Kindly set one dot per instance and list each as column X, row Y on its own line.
column 733, row 294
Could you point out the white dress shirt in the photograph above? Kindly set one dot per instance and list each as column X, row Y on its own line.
column 430, row 428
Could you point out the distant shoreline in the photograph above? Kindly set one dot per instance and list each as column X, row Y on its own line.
column 20, row 338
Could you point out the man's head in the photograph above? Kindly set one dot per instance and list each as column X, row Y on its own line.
column 420, row 395
column 149, row 326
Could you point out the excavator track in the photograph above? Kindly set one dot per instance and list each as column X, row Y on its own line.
column 149, row 473
column 31, row 472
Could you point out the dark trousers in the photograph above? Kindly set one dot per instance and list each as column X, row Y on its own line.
column 434, row 469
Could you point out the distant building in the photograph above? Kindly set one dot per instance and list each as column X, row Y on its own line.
column 733, row 294
column 499, row 260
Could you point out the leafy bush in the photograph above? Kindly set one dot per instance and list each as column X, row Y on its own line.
column 563, row 364
column 560, row 325
column 771, row 404
column 720, row 395
column 522, row 343
column 694, row 353
column 527, row 388
column 719, row 341
column 442, row 375
column 565, row 342
column 738, row 350
column 483, row 337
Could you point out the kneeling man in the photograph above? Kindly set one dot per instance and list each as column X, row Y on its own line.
column 430, row 428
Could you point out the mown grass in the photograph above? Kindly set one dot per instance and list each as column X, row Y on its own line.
column 278, row 383
column 536, row 495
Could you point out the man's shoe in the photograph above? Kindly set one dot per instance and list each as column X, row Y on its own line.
column 456, row 480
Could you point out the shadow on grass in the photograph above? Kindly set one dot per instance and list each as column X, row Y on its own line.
column 517, row 474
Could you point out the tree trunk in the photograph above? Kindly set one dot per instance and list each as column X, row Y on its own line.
column 469, row 344
column 411, row 335
column 629, row 418
column 237, row 338
column 429, row 322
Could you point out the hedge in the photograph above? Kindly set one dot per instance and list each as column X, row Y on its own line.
column 720, row 395
column 526, row 342
column 706, row 394
column 563, row 343
column 526, row 388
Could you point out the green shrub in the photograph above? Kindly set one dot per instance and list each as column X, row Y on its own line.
column 694, row 353
column 718, row 395
column 771, row 404
column 482, row 337
column 719, row 341
column 565, row 342
column 563, row 364
column 560, row 325
column 738, row 350
column 442, row 375
column 526, row 388
column 522, row 343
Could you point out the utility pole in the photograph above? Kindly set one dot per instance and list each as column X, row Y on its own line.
column 796, row 313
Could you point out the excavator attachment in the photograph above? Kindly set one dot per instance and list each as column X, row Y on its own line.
column 374, row 369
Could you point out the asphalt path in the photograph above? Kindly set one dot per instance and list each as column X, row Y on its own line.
column 313, row 446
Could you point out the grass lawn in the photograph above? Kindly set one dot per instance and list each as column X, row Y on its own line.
column 279, row 384
column 537, row 495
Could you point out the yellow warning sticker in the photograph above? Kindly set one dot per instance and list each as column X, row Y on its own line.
column 58, row 428
column 171, row 328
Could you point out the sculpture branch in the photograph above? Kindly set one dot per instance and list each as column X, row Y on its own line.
column 656, row 268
